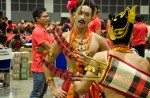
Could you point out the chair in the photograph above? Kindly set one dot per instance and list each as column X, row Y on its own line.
column 5, row 66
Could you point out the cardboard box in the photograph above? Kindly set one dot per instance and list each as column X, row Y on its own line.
column 16, row 66
column 30, row 56
column 24, row 77
column 16, row 71
column 16, row 76
column 30, row 72
column 25, row 65
column 17, row 54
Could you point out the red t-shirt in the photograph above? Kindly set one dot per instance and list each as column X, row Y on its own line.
column 95, row 24
column 9, row 37
column 39, row 36
column 139, row 34
column 13, row 26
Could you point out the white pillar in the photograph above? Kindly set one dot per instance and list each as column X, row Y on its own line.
column 8, row 9
column 48, row 4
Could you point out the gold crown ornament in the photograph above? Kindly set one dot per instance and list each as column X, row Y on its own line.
column 119, row 27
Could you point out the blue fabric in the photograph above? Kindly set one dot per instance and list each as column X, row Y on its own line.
column 29, row 41
column 5, row 64
column 39, row 85
column 61, row 62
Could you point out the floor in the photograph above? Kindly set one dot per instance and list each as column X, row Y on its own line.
column 23, row 88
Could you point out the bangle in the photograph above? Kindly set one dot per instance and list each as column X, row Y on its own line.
column 48, row 53
column 91, row 69
column 49, row 79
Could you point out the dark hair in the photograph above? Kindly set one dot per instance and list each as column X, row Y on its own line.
column 138, row 18
column 4, row 18
column 9, row 30
column 111, row 16
column 3, row 38
column 17, row 37
column 37, row 13
column 15, row 31
column 3, row 26
column 9, row 21
column 68, row 20
column 21, row 31
column 72, row 10
column 89, row 3
column 27, row 29
column 30, row 31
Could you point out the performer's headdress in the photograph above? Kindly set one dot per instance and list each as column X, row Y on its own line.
column 71, row 5
column 121, row 27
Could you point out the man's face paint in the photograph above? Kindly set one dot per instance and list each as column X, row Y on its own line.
column 84, row 16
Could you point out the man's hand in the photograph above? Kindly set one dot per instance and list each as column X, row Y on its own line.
column 59, row 93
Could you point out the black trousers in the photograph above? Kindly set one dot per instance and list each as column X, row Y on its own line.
column 140, row 49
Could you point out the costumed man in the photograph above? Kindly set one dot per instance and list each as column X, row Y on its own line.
column 83, row 40
column 124, row 74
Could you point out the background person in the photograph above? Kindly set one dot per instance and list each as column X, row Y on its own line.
column 138, row 39
column 40, row 38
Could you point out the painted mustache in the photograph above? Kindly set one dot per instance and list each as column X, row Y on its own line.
column 81, row 21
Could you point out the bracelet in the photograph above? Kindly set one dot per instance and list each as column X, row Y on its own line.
column 49, row 79
column 48, row 53
column 91, row 69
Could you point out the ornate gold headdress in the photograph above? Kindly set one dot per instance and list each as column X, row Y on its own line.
column 119, row 27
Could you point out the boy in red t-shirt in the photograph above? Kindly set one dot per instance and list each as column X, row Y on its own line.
column 40, row 38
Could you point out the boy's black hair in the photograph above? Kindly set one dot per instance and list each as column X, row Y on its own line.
column 21, row 31
column 37, row 13
column 15, row 31
column 111, row 16
column 17, row 37
column 4, row 18
column 9, row 30
column 138, row 18
column 3, row 38
column 9, row 21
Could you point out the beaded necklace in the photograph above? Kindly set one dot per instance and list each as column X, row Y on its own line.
column 82, row 45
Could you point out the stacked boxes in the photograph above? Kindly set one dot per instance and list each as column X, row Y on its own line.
column 16, row 65
column 30, row 72
column 20, row 65
column 23, row 49
column 24, row 65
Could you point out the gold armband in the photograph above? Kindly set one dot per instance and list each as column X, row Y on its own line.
column 91, row 69
column 48, row 53
column 49, row 79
